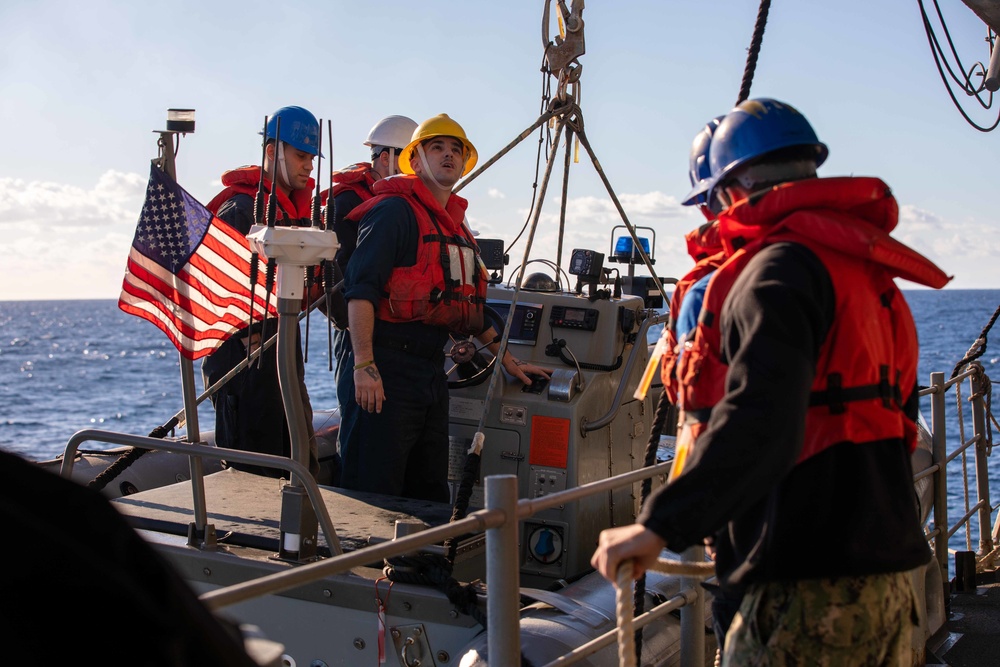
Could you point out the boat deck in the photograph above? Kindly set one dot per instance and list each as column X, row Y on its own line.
column 245, row 510
column 971, row 636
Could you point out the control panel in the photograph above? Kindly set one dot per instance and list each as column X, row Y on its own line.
column 546, row 480
column 573, row 318
column 527, row 320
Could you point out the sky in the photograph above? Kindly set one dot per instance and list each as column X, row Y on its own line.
column 84, row 87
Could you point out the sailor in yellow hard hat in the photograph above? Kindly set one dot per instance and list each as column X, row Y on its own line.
column 414, row 278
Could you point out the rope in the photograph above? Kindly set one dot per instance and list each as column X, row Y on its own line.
column 623, row 607
column 623, row 611
column 978, row 348
column 128, row 458
column 434, row 570
column 754, row 50
column 649, row 458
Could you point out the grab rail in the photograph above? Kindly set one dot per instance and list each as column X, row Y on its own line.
column 193, row 450
column 986, row 556
column 504, row 510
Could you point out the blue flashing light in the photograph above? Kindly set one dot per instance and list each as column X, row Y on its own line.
column 625, row 247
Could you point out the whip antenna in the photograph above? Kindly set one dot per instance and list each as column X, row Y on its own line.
column 272, row 214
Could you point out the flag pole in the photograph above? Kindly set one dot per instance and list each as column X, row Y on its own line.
column 200, row 533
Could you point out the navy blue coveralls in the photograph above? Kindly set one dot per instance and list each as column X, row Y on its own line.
column 403, row 450
column 249, row 411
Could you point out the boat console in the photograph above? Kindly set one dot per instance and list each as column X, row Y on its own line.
column 580, row 426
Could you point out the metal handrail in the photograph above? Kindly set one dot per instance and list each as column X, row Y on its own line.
column 943, row 528
column 499, row 521
column 204, row 451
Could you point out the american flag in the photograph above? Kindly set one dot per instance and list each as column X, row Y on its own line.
column 188, row 272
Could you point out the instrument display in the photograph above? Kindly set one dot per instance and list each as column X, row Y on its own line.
column 526, row 321
column 574, row 318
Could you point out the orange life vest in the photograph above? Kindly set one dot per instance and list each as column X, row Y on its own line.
column 358, row 178
column 297, row 206
column 866, row 367
column 245, row 181
column 446, row 287
column 705, row 247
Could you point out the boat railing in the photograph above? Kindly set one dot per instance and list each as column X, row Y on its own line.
column 504, row 511
column 499, row 520
column 195, row 452
column 977, row 515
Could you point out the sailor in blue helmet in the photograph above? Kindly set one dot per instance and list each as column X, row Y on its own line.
column 704, row 245
column 803, row 407
column 249, row 413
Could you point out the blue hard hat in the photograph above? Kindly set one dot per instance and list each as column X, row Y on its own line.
column 755, row 128
column 701, row 171
column 299, row 129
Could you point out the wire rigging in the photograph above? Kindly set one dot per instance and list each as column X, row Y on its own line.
column 945, row 70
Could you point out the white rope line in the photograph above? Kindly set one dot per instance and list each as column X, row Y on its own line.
column 624, row 598
column 623, row 611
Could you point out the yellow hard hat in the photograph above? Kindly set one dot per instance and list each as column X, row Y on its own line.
column 438, row 126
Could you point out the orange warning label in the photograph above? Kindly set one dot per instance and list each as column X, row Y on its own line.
column 549, row 442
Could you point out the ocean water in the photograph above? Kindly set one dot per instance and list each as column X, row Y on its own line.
column 72, row 365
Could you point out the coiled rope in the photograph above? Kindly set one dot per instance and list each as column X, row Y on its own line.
column 978, row 348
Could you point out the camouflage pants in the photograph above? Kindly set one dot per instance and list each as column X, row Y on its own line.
column 848, row 621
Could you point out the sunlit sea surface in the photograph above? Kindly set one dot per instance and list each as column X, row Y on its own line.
column 71, row 365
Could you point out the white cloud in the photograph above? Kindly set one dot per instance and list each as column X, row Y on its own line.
column 966, row 249
column 73, row 264
column 64, row 241
column 115, row 199
column 495, row 194
column 67, row 242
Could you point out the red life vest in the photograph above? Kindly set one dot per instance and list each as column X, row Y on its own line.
column 705, row 246
column 866, row 367
column 359, row 178
column 245, row 181
column 446, row 287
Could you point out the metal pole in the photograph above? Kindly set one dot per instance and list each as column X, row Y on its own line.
column 505, row 334
column 197, row 533
column 288, row 379
column 202, row 535
column 565, row 195
column 504, row 646
column 621, row 211
column 939, row 456
column 693, row 615
column 982, row 465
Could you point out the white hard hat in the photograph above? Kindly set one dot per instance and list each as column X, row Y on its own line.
column 391, row 131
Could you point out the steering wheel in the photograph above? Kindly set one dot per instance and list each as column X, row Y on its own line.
column 466, row 363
